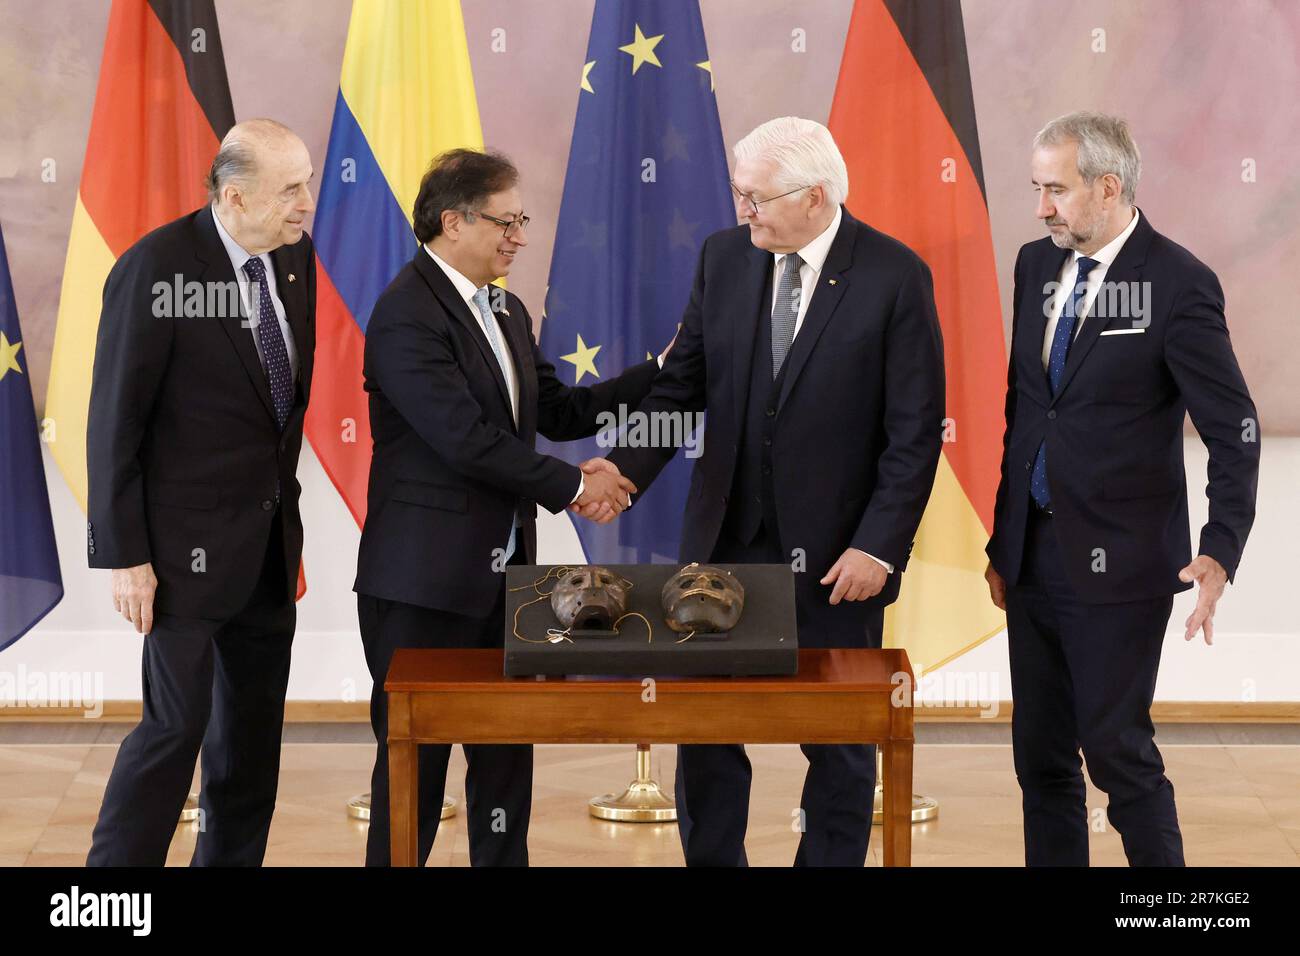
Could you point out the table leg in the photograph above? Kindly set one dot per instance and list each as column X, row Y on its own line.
column 403, row 791
column 897, row 787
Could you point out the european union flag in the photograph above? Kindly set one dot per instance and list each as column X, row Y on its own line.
column 646, row 183
column 30, row 580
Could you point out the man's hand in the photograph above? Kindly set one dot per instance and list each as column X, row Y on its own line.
column 1211, row 578
column 133, row 590
column 856, row 577
column 997, row 587
column 604, row 493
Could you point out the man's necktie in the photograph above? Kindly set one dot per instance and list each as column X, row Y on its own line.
column 275, row 356
column 1065, row 327
column 494, row 340
column 785, row 310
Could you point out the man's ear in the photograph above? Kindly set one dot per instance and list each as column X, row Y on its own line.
column 1112, row 188
column 451, row 223
column 232, row 197
column 817, row 195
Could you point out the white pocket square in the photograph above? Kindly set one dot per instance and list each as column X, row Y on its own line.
column 1124, row 331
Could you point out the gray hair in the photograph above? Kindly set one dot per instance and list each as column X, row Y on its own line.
column 236, row 159
column 1105, row 146
column 803, row 152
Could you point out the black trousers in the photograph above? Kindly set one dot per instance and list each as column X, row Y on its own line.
column 499, row 777
column 218, row 687
column 1082, row 678
column 713, row 780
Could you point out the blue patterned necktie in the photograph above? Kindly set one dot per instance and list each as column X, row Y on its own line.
column 494, row 340
column 785, row 310
column 1065, row 327
column 275, row 356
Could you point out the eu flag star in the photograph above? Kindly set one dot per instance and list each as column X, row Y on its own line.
column 707, row 67
column 680, row 232
column 586, row 77
column 9, row 356
column 675, row 144
column 583, row 360
column 642, row 50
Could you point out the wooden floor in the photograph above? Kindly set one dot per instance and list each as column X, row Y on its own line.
column 1239, row 804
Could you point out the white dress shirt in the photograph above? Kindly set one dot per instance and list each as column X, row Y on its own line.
column 814, row 258
column 1070, row 269
column 252, row 308
column 467, row 290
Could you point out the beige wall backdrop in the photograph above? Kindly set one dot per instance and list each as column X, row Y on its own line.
column 1208, row 85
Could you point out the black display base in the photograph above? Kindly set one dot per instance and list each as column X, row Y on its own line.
column 764, row 642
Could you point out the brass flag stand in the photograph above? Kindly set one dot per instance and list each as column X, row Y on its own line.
column 359, row 807
column 923, row 808
column 644, row 801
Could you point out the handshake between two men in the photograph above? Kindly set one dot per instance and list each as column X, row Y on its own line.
column 605, row 492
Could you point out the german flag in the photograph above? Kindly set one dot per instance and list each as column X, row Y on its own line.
column 161, row 109
column 904, row 117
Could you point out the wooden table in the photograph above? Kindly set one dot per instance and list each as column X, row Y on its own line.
column 838, row 697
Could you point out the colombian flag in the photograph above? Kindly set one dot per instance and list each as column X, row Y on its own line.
column 904, row 117
column 406, row 94
column 161, row 109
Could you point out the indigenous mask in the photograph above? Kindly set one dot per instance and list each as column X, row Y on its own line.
column 589, row 598
column 703, row 599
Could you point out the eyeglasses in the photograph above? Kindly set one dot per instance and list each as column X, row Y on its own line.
column 755, row 203
column 510, row 227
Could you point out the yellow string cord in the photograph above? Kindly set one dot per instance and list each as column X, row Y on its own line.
column 649, row 628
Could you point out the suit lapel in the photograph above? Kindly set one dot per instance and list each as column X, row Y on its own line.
column 217, row 268
column 446, row 293
column 1127, row 267
column 1034, row 319
column 518, row 343
column 831, row 285
column 750, row 308
column 291, row 287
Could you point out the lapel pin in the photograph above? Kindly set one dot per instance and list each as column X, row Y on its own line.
column 505, row 311
column 831, row 281
column 292, row 277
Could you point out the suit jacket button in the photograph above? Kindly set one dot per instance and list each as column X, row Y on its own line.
column 267, row 505
column 1051, row 413
column 1028, row 465
column 91, row 549
column 90, row 526
column 771, row 412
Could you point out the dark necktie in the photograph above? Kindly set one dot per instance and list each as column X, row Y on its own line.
column 785, row 310
column 275, row 356
column 1065, row 327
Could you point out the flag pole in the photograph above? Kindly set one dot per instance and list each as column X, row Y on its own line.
column 924, row 809
column 359, row 808
column 644, row 801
